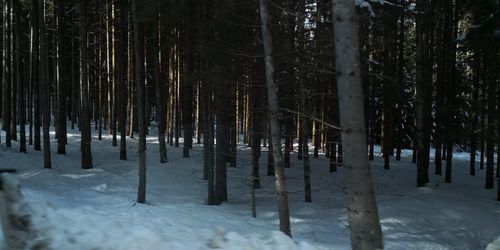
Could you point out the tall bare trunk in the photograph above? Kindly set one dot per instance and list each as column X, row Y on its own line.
column 44, row 86
column 121, row 64
column 139, row 77
column 20, row 79
column 63, row 78
column 422, row 89
column 272, row 97
column 6, row 74
column 362, row 207
column 160, row 91
column 84, row 88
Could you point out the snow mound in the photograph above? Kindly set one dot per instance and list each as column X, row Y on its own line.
column 495, row 245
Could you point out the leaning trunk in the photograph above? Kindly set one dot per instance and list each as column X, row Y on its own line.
column 272, row 97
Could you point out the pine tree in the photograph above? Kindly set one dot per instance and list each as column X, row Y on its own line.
column 272, row 98
column 84, row 88
column 139, row 78
column 44, row 86
column 362, row 209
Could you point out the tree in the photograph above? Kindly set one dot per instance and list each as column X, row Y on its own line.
column 362, row 207
column 121, row 74
column 305, row 105
column 275, row 131
column 44, row 86
column 160, row 90
column 63, row 78
column 84, row 87
column 35, row 85
column 6, row 74
column 423, row 94
column 139, row 78
column 20, row 78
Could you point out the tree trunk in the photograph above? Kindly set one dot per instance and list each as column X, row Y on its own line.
column 188, row 80
column 362, row 207
column 84, row 88
column 20, row 79
column 121, row 65
column 388, row 87
column 6, row 74
column 222, row 146
column 35, row 77
column 63, row 78
column 475, row 115
column 44, row 87
column 208, row 142
column 305, row 106
column 255, row 123
column 139, row 77
column 490, row 138
column 284, row 214
column 160, row 91
column 421, row 99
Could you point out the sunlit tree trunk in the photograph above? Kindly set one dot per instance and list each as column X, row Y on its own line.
column 362, row 207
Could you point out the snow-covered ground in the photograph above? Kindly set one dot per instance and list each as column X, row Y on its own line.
column 96, row 209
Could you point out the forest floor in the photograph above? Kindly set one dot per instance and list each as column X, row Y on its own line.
column 96, row 209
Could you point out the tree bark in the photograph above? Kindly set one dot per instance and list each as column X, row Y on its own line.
column 160, row 91
column 362, row 207
column 84, row 88
column 6, row 74
column 475, row 115
column 44, row 87
column 20, row 79
column 139, row 77
column 284, row 213
column 422, row 87
column 63, row 78
column 121, row 65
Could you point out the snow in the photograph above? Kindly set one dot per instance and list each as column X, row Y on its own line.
column 365, row 5
column 96, row 209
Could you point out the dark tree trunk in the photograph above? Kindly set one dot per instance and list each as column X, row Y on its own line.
column 139, row 78
column 160, row 91
column 221, row 148
column 388, row 86
column 187, row 84
column 35, row 75
column 284, row 213
column 490, row 141
column 424, row 88
column 6, row 74
column 208, row 142
column 475, row 115
column 62, row 62
column 21, row 82
column 121, row 77
column 255, row 123
column 305, row 105
column 84, row 88
column 451, row 25
column 44, row 87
